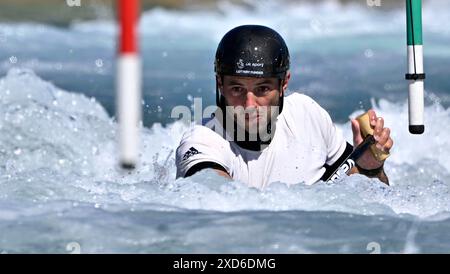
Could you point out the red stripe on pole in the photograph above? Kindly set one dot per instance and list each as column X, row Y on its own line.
column 128, row 16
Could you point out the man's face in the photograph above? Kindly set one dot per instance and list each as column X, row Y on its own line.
column 254, row 100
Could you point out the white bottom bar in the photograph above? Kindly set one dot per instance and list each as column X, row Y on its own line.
column 129, row 107
column 416, row 88
column 416, row 103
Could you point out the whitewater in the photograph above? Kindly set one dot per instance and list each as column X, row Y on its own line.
column 61, row 186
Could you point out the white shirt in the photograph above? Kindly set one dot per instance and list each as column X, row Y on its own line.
column 305, row 140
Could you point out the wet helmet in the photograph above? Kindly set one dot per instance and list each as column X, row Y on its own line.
column 252, row 51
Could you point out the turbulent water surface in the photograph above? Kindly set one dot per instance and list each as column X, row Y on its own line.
column 60, row 186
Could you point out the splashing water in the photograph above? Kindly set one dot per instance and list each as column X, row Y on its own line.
column 61, row 190
column 59, row 183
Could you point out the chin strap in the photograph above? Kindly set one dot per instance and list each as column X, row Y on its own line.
column 281, row 102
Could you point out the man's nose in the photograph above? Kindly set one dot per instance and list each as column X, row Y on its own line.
column 250, row 100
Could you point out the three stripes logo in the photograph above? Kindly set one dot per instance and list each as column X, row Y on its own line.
column 191, row 152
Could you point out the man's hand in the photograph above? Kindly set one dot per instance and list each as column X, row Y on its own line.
column 381, row 135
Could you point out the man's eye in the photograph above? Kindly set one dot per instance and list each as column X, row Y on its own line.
column 237, row 90
column 263, row 89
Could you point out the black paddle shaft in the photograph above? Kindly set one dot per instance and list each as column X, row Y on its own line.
column 350, row 161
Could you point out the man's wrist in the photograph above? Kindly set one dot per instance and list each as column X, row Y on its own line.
column 370, row 172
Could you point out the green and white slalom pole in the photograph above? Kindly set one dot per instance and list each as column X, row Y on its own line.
column 415, row 75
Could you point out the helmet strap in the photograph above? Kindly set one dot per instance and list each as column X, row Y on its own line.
column 281, row 102
column 220, row 100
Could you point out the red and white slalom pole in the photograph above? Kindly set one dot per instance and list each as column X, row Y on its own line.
column 128, row 84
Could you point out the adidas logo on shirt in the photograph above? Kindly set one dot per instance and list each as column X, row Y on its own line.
column 191, row 152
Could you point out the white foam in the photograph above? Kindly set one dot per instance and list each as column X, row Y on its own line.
column 306, row 26
column 295, row 20
column 57, row 146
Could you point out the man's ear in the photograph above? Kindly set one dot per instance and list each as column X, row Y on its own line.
column 286, row 82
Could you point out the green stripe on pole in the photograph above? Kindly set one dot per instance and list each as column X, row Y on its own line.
column 414, row 22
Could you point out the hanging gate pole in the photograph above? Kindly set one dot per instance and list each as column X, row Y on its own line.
column 415, row 75
column 128, row 84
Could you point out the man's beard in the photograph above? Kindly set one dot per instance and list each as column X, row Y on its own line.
column 251, row 124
